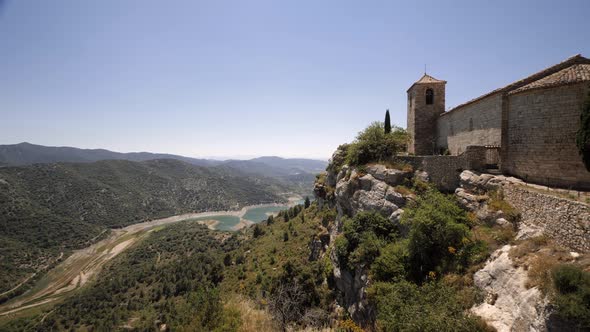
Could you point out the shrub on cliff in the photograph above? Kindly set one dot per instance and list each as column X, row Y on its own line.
column 373, row 144
column 572, row 298
column 405, row 306
column 439, row 236
column 363, row 237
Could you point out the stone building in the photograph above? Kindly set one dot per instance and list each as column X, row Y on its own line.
column 531, row 123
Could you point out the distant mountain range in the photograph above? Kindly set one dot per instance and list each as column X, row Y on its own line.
column 285, row 168
column 55, row 199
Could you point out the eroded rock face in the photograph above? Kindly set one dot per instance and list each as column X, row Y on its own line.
column 356, row 192
column 390, row 176
column 353, row 289
column 374, row 191
column 509, row 305
column 477, row 183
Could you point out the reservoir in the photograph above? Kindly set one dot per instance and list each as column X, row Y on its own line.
column 255, row 215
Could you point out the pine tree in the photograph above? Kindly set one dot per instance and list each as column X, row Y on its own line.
column 583, row 135
column 307, row 202
column 387, row 122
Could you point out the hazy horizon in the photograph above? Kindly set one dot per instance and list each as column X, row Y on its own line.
column 256, row 78
column 212, row 157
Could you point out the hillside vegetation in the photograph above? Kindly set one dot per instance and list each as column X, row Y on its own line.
column 46, row 209
column 170, row 279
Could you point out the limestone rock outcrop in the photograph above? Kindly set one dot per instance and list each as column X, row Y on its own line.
column 509, row 305
column 373, row 191
column 352, row 190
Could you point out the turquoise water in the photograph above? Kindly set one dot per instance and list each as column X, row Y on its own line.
column 259, row 214
column 255, row 215
column 225, row 222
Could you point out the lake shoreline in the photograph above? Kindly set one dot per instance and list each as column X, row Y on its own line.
column 85, row 263
column 292, row 201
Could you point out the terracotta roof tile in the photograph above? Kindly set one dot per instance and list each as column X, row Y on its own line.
column 574, row 74
column 425, row 79
column 567, row 63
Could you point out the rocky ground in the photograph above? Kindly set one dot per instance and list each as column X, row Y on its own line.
column 513, row 301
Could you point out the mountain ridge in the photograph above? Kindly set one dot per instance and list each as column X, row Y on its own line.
column 46, row 209
column 26, row 153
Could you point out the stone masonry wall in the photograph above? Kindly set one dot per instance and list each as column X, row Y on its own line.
column 422, row 118
column 542, row 125
column 566, row 221
column 444, row 171
column 479, row 123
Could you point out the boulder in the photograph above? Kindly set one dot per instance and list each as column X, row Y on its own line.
column 468, row 200
column 394, row 197
column 372, row 201
column 422, row 176
column 477, row 182
column 390, row 176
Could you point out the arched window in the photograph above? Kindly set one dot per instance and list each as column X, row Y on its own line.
column 429, row 97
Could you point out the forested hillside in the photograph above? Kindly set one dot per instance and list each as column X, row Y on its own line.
column 46, row 209
column 170, row 279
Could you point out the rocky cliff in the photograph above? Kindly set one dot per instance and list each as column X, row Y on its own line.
column 350, row 190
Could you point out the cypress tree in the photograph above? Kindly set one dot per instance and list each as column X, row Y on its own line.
column 583, row 135
column 387, row 122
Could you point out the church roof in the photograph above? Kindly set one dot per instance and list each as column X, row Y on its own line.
column 569, row 76
column 425, row 79
column 575, row 74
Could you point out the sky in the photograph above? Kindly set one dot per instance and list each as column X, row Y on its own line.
column 250, row 78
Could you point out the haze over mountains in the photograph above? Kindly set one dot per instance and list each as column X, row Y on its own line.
column 27, row 153
column 55, row 199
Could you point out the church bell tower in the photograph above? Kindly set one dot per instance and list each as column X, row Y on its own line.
column 426, row 102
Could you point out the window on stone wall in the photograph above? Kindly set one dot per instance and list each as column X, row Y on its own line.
column 429, row 97
column 471, row 124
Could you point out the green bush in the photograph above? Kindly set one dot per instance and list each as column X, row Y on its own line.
column 405, row 306
column 438, row 233
column 572, row 297
column 373, row 144
column 391, row 265
column 364, row 235
column 341, row 247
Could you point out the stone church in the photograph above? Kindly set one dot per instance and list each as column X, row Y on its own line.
column 531, row 124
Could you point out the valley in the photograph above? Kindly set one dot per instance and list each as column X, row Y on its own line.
column 83, row 264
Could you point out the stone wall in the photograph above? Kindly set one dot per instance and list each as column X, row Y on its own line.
column 478, row 123
column 444, row 171
column 542, row 125
column 564, row 220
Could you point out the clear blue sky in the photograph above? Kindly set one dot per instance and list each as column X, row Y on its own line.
column 244, row 78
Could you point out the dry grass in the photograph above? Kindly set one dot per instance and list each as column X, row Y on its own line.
column 405, row 191
column 496, row 202
column 495, row 236
column 539, row 255
column 253, row 319
column 398, row 165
